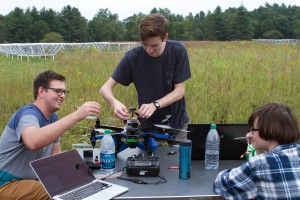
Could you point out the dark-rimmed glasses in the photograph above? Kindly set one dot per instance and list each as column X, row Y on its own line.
column 253, row 129
column 59, row 91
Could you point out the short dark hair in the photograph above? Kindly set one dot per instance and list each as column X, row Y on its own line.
column 276, row 121
column 153, row 25
column 43, row 80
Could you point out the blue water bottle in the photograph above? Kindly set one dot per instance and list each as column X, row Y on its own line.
column 185, row 152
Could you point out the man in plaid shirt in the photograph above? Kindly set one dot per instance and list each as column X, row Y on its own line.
column 275, row 172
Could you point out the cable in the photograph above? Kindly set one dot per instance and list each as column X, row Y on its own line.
column 112, row 174
column 141, row 181
column 161, row 180
column 138, row 181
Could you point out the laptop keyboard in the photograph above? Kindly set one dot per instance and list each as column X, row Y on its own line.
column 85, row 191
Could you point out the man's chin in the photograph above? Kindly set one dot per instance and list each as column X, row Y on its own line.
column 154, row 55
column 57, row 107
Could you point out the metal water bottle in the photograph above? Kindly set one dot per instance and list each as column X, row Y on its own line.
column 185, row 152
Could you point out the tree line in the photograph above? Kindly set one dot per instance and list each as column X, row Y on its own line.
column 46, row 25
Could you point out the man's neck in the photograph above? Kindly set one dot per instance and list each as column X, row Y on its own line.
column 162, row 48
column 43, row 109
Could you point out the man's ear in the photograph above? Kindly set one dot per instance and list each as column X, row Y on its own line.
column 41, row 91
column 166, row 37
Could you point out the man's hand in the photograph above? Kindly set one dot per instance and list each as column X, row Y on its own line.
column 146, row 110
column 88, row 109
column 120, row 111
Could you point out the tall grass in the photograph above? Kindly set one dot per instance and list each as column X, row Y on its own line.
column 229, row 80
column 236, row 77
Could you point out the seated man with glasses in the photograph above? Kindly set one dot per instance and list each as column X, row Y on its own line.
column 33, row 132
column 274, row 173
column 158, row 69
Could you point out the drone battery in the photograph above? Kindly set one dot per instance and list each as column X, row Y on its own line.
column 142, row 165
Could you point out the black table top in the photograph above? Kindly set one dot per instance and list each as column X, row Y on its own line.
column 200, row 183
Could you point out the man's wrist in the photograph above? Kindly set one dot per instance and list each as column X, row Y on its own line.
column 156, row 104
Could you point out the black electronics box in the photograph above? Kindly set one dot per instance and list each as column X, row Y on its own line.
column 142, row 165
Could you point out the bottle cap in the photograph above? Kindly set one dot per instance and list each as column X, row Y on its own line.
column 213, row 126
column 185, row 143
column 107, row 131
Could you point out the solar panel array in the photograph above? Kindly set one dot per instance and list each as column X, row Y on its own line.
column 28, row 50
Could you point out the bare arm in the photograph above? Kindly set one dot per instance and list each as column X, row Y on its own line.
column 56, row 148
column 35, row 138
column 146, row 110
column 106, row 92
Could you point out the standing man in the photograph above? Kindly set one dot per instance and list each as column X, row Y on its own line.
column 33, row 132
column 158, row 69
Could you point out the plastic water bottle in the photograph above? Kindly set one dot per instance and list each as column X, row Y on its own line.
column 212, row 148
column 107, row 153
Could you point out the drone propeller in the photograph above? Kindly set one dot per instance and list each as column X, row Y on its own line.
column 99, row 130
column 169, row 127
column 87, row 135
column 82, row 145
column 91, row 117
column 167, row 118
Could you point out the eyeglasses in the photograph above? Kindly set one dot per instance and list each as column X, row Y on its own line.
column 59, row 91
column 253, row 129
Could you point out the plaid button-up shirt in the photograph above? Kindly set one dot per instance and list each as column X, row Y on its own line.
column 273, row 175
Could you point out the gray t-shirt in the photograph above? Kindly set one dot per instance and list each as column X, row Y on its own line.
column 14, row 156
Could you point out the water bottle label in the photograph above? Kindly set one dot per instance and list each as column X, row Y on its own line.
column 107, row 161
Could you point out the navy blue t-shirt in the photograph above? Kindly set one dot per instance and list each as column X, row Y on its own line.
column 154, row 77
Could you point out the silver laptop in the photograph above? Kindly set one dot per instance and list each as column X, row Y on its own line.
column 66, row 176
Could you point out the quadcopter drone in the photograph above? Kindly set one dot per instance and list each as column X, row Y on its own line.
column 133, row 136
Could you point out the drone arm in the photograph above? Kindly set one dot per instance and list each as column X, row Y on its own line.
column 120, row 145
column 94, row 138
column 114, row 128
column 158, row 136
column 168, row 137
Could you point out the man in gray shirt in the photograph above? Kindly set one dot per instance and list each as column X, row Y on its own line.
column 33, row 132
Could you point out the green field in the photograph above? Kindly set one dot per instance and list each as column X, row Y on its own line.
column 229, row 80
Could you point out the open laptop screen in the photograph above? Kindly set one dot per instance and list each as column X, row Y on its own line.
column 62, row 172
column 230, row 149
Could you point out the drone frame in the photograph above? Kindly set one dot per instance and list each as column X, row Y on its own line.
column 132, row 136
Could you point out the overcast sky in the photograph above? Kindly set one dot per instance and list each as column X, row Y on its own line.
column 124, row 9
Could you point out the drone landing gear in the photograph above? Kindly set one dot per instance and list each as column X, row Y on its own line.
column 149, row 145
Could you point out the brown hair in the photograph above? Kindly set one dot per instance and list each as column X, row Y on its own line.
column 43, row 80
column 277, row 122
column 153, row 25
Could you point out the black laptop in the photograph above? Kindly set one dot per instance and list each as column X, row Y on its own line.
column 230, row 147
